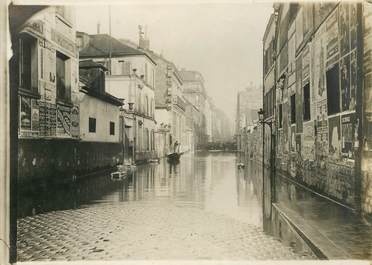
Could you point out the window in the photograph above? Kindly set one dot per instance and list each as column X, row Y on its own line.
column 125, row 67
column 280, row 115
column 333, row 92
column 28, row 78
column 306, row 105
column 92, row 125
column 293, row 108
column 112, row 128
column 63, row 80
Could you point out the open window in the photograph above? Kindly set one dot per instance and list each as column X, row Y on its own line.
column 63, row 77
column 306, row 104
column 28, row 65
column 333, row 90
column 293, row 109
column 280, row 110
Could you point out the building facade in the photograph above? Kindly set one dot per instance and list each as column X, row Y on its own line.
column 194, row 92
column 132, row 78
column 316, row 88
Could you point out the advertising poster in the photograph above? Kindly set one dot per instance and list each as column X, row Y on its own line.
column 345, row 83
column 344, row 28
column 293, row 139
column 35, row 115
column 334, row 138
column 353, row 25
column 75, row 122
column 306, row 63
column 308, row 152
column 321, row 133
column 332, row 35
column 25, row 113
column 353, row 80
column 63, row 120
column 322, row 9
column 348, row 132
column 318, row 69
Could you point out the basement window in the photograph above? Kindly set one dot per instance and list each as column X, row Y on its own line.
column 293, row 109
column 333, row 90
column 306, row 113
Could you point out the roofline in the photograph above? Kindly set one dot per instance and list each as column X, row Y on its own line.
column 268, row 26
column 117, row 55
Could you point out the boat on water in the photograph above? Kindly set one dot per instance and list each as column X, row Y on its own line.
column 174, row 157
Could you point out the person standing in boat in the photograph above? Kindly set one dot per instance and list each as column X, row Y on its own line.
column 176, row 147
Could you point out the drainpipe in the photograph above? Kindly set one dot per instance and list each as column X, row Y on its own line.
column 360, row 116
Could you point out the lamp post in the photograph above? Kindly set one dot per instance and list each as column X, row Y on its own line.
column 261, row 117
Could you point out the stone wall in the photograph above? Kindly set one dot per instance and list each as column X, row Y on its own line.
column 63, row 159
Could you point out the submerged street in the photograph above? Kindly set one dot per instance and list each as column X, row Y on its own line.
column 202, row 208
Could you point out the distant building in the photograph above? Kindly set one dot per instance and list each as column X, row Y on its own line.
column 194, row 92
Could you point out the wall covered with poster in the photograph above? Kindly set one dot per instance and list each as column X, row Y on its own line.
column 323, row 144
column 45, row 110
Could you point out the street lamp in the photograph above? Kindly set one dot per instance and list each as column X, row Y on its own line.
column 270, row 123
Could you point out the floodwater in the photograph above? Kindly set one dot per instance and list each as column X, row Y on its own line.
column 210, row 181
column 202, row 208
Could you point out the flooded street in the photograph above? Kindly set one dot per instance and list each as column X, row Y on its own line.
column 202, row 208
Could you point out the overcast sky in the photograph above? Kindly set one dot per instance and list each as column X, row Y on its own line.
column 222, row 41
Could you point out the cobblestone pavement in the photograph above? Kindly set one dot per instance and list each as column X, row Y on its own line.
column 143, row 230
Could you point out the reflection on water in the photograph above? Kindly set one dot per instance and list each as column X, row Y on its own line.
column 209, row 181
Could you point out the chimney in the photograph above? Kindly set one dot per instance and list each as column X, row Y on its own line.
column 143, row 41
column 98, row 27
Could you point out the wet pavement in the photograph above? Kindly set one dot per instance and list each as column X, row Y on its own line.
column 342, row 228
column 202, row 208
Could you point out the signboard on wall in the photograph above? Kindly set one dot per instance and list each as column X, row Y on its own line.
column 63, row 120
column 47, row 122
column 334, row 138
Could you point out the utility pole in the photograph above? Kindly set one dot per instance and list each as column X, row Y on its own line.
column 110, row 44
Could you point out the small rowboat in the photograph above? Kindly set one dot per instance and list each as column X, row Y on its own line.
column 174, row 157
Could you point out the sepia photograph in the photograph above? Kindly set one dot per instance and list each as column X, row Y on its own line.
column 188, row 131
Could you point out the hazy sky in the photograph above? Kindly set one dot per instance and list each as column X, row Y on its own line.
column 222, row 41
